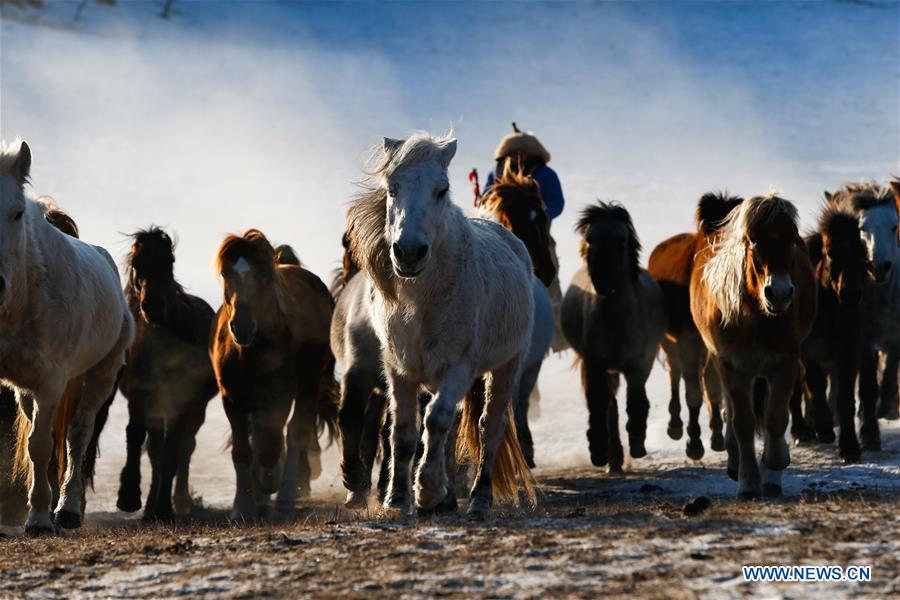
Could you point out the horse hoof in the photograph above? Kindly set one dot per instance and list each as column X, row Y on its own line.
column 732, row 473
column 638, row 450
column 599, row 459
column 825, row 437
column 129, row 503
column 694, row 449
column 614, row 469
column 870, row 442
column 717, row 442
column 479, row 509
column 446, row 506
column 39, row 529
column 850, row 458
column 67, row 519
column 748, row 495
column 801, row 438
column 890, row 414
column 771, row 490
column 356, row 500
column 675, row 431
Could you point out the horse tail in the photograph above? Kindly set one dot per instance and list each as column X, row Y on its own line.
column 328, row 401
column 510, row 469
column 21, row 472
column 62, row 417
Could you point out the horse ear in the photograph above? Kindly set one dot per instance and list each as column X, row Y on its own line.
column 827, row 196
column 448, row 151
column 22, row 167
column 390, row 145
column 895, row 186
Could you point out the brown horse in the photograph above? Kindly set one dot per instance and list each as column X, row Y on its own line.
column 168, row 379
column 270, row 353
column 670, row 264
column 832, row 351
column 753, row 299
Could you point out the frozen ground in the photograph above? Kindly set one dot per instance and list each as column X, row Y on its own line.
column 246, row 114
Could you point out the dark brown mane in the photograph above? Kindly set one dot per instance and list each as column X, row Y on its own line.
column 512, row 191
column 62, row 221
column 712, row 209
column 252, row 246
column 615, row 213
column 860, row 196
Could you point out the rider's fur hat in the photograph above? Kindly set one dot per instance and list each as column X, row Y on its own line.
column 524, row 142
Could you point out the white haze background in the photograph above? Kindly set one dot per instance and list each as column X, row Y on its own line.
column 237, row 114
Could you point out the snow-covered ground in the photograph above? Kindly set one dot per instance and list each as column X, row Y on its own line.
column 239, row 114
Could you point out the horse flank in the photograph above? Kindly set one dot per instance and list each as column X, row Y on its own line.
column 723, row 274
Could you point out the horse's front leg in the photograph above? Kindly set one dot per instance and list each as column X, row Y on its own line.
column 129, row 499
column 527, row 383
column 742, row 423
column 676, row 427
column 776, row 455
column 356, row 387
column 40, row 447
column 403, row 410
column 799, row 429
column 595, row 380
column 431, row 476
column 637, row 407
column 245, row 506
column 13, row 492
column 889, row 406
column 818, row 411
column 196, row 415
column 713, row 388
column 844, row 379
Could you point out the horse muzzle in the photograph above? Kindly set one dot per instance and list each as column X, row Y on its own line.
column 242, row 334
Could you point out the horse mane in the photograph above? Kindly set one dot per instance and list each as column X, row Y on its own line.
column 712, row 208
column 513, row 189
column 253, row 246
column 615, row 213
column 366, row 219
column 723, row 273
column 349, row 268
column 285, row 255
column 860, row 196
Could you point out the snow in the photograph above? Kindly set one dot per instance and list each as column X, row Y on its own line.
column 247, row 114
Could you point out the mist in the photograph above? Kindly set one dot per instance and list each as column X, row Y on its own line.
column 261, row 115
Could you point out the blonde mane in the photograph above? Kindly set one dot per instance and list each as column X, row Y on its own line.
column 723, row 273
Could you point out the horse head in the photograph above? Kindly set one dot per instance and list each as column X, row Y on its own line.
column 248, row 269
column 151, row 274
column 843, row 264
column 877, row 214
column 515, row 202
column 15, row 166
column 768, row 225
column 609, row 246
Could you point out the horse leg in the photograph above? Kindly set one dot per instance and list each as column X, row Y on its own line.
column 384, row 440
column 13, row 491
column 245, row 505
column 527, row 383
column 594, row 380
column 691, row 363
column 156, row 437
column 713, row 391
column 869, row 433
column 799, row 429
column 776, row 455
column 356, row 389
column 40, row 447
column 99, row 382
column 182, row 500
column 637, row 407
column 431, row 475
column 819, row 413
column 267, row 429
column 743, row 425
column 403, row 439
column 676, row 427
column 129, row 499
column 844, row 381
column 889, row 407
column 492, row 426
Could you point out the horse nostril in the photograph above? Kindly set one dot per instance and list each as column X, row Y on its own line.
column 232, row 328
column 770, row 294
column 887, row 266
column 398, row 251
column 421, row 251
column 790, row 293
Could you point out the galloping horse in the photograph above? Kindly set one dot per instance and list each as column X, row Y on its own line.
column 613, row 315
column 452, row 300
column 831, row 352
column 878, row 217
column 515, row 202
column 270, row 353
column 66, row 327
column 670, row 264
column 169, row 379
column 753, row 299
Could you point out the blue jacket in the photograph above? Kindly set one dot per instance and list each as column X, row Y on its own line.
column 551, row 189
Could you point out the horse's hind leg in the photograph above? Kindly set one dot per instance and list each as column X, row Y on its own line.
column 527, row 383
column 129, row 499
column 691, row 358
column 776, row 455
column 889, row 407
column 819, row 413
column 431, row 475
column 403, row 410
column 743, row 428
column 356, row 389
column 713, row 391
column 676, row 427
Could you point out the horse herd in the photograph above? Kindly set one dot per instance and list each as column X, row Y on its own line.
column 438, row 319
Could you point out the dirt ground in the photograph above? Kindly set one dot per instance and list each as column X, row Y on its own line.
column 590, row 535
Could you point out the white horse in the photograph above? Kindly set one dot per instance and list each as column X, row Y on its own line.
column 877, row 211
column 64, row 329
column 452, row 301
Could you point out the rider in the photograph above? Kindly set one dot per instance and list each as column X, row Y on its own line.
column 527, row 152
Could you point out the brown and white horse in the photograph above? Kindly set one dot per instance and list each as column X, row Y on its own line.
column 270, row 353
column 753, row 299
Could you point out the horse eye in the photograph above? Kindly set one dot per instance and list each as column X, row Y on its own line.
column 443, row 193
column 18, row 215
